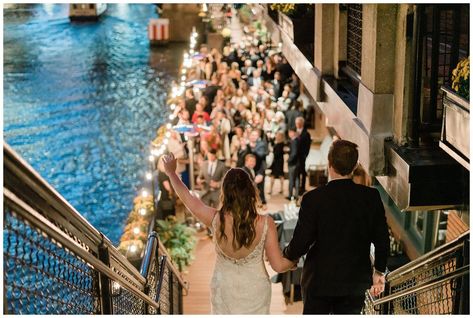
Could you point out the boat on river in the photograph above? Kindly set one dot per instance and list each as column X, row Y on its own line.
column 86, row 11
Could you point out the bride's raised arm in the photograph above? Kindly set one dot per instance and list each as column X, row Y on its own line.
column 201, row 211
column 277, row 261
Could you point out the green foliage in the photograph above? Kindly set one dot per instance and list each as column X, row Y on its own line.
column 178, row 238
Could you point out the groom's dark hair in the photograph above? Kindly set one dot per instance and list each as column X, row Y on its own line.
column 343, row 156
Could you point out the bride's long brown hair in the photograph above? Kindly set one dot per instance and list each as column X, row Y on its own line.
column 239, row 197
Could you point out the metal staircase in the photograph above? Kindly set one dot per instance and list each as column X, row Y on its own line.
column 435, row 283
column 56, row 262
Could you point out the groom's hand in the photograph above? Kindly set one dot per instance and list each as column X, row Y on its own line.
column 378, row 283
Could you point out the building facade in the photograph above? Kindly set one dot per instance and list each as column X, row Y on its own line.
column 376, row 73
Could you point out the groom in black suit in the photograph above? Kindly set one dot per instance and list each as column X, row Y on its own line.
column 337, row 223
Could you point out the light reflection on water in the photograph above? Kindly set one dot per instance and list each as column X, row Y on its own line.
column 83, row 100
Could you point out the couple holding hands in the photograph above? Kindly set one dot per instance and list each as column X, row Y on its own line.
column 337, row 224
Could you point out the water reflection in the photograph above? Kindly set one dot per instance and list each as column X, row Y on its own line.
column 83, row 100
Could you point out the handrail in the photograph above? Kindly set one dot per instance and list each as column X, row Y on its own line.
column 21, row 171
column 457, row 273
column 426, row 258
column 171, row 266
column 47, row 227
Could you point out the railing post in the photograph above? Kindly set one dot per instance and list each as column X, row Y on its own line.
column 181, row 307
column 171, row 289
column 387, row 292
column 464, row 307
column 104, row 282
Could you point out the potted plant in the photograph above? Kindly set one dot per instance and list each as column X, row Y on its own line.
column 179, row 240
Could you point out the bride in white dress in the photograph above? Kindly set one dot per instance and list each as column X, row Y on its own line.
column 240, row 282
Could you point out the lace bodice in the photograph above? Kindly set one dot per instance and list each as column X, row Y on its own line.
column 256, row 254
column 240, row 285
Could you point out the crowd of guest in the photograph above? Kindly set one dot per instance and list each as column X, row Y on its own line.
column 248, row 110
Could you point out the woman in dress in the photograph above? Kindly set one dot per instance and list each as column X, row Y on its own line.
column 240, row 282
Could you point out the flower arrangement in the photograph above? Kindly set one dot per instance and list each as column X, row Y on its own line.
column 286, row 8
column 461, row 78
column 226, row 32
column 295, row 11
column 179, row 240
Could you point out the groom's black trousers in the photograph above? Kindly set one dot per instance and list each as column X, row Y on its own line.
column 334, row 305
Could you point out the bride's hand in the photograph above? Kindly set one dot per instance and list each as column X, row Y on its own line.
column 169, row 163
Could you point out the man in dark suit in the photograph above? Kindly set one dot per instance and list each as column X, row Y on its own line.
column 210, row 178
column 304, row 148
column 337, row 224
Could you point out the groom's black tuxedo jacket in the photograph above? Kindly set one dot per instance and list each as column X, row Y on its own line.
column 337, row 222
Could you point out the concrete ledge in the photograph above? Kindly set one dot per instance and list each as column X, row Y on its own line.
column 375, row 110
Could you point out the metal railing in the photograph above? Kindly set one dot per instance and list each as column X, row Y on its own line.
column 56, row 262
column 435, row 283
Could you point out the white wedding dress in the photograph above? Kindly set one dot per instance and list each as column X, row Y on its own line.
column 240, row 286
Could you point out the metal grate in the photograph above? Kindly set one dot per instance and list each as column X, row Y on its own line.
column 165, row 297
column 432, row 286
column 354, row 36
column 40, row 276
column 126, row 303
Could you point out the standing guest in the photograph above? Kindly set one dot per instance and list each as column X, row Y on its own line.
column 166, row 201
column 293, row 165
column 223, row 128
column 304, row 148
column 190, row 101
column 249, row 166
column 360, row 176
column 292, row 114
column 256, row 80
column 337, row 223
column 210, row 92
column 184, row 118
column 259, row 148
column 199, row 111
column 210, row 177
column 277, row 167
column 247, row 70
column 235, row 145
column 269, row 70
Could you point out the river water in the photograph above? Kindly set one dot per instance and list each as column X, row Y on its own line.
column 83, row 100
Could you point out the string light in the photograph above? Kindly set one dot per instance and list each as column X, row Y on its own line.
column 166, row 141
column 151, row 158
column 168, row 134
column 149, row 176
column 142, row 211
column 168, row 125
column 133, row 248
column 173, row 106
column 136, row 230
column 144, row 193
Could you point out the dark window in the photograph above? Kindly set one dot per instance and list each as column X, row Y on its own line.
column 354, row 35
column 445, row 40
column 91, row 6
column 74, row 6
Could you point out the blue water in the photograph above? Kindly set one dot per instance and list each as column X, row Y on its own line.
column 82, row 101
